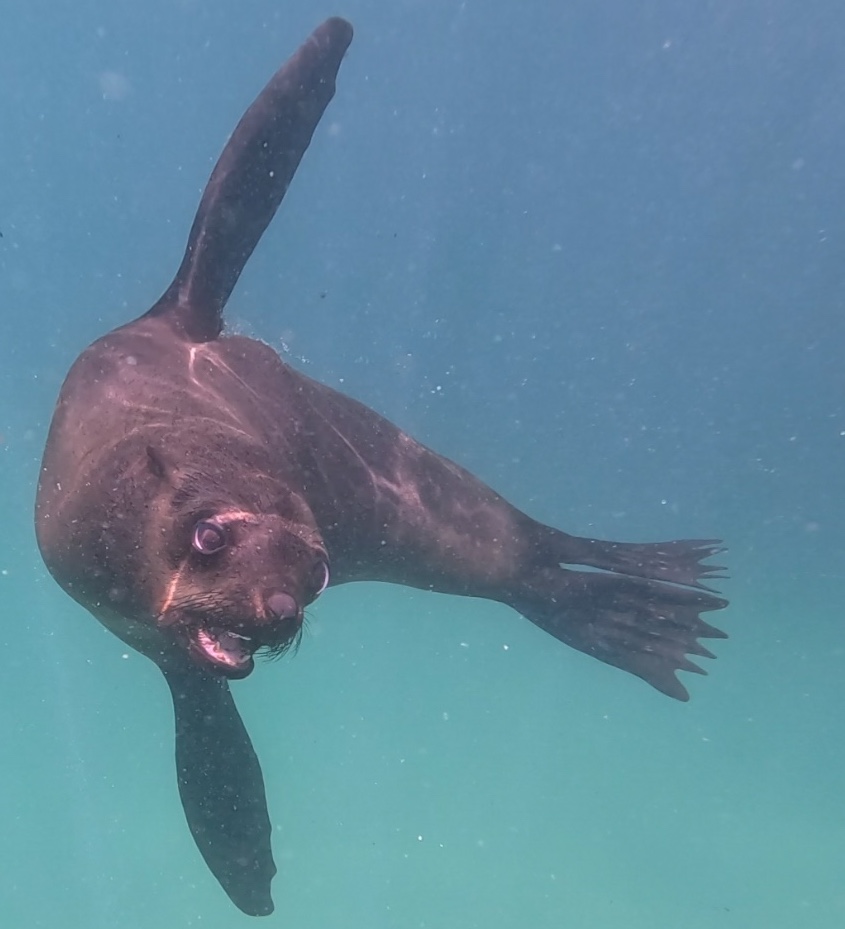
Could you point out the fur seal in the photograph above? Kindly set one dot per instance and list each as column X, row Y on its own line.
column 197, row 494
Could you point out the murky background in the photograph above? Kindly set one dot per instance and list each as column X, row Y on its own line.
column 594, row 252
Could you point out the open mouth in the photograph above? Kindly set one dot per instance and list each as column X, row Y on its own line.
column 228, row 652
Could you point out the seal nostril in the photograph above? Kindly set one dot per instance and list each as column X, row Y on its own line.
column 282, row 606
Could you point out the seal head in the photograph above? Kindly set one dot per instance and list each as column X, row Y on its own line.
column 239, row 572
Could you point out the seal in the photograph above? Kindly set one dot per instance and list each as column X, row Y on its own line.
column 197, row 494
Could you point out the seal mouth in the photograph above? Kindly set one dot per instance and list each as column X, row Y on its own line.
column 226, row 645
column 228, row 652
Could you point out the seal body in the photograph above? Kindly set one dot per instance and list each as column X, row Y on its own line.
column 197, row 493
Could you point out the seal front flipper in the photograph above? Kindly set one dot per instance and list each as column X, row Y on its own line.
column 249, row 181
column 222, row 788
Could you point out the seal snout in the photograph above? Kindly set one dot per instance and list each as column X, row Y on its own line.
column 282, row 606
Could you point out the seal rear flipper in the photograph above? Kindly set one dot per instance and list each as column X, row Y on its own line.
column 677, row 562
column 222, row 788
column 642, row 626
column 249, row 181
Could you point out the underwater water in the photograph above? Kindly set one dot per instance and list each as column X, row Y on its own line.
column 593, row 251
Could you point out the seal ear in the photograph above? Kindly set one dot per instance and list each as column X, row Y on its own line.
column 156, row 463
column 222, row 788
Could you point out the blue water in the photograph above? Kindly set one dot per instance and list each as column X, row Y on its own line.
column 591, row 250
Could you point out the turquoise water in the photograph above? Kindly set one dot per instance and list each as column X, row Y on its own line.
column 591, row 251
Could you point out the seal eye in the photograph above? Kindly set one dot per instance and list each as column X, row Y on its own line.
column 209, row 538
column 319, row 579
